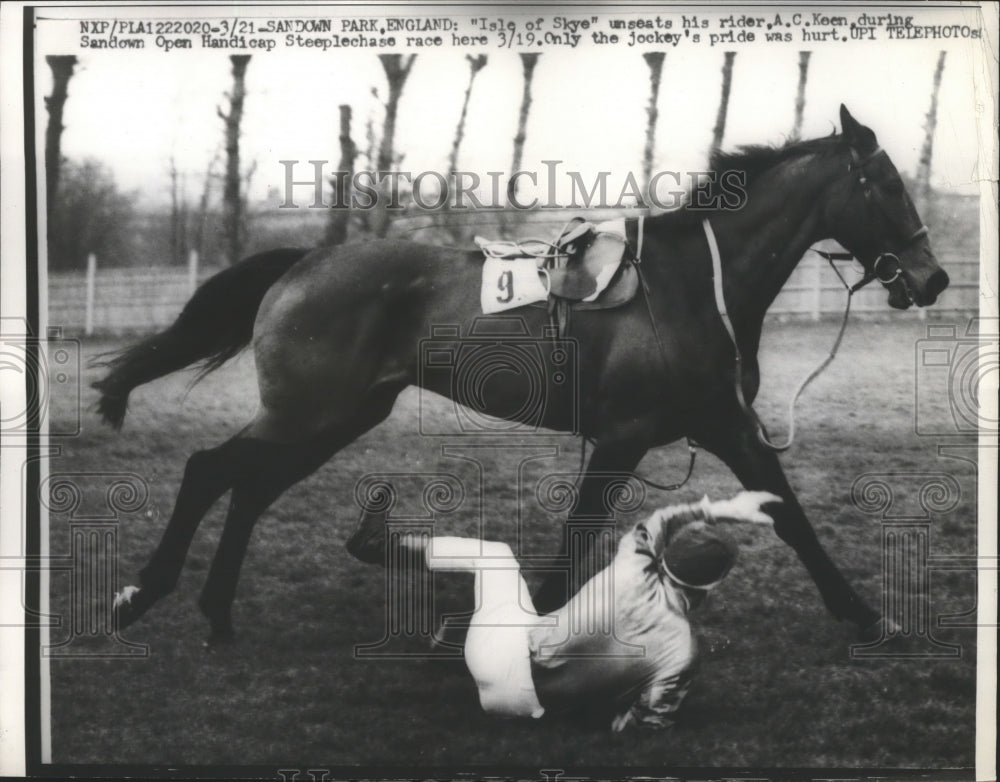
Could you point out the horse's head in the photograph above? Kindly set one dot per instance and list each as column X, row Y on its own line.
column 874, row 218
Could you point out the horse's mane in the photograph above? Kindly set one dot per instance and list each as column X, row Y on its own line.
column 756, row 159
column 752, row 160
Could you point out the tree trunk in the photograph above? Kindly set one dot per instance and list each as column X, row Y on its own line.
column 927, row 151
column 800, row 95
column 182, row 217
column 206, row 192
column 720, row 121
column 528, row 62
column 62, row 70
column 340, row 214
column 364, row 216
column 232, row 201
column 397, row 69
column 176, row 252
column 655, row 62
column 476, row 64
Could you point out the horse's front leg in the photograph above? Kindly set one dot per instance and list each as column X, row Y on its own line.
column 589, row 540
column 758, row 468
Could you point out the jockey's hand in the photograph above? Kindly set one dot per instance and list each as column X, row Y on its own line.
column 745, row 506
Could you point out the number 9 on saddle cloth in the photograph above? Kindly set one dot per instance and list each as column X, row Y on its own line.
column 588, row 267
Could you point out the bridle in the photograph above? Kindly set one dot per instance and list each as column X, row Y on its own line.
column 858, row 164
column 872, row 196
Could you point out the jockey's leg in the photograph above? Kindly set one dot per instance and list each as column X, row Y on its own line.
column 496, row 647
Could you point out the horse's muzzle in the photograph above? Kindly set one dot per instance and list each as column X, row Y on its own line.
column 935, row 285
column 926, row 294
column 905, row 290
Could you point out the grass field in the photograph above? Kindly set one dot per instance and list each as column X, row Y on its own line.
column 777, row 685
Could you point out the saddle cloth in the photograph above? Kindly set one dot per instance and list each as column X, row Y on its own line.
column 576, row 269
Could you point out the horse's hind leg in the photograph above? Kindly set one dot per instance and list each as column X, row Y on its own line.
column 590, row 553
column 207, row 476
column 271, row 470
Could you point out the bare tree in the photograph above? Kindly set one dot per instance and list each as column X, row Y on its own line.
column 476, row 64
column 244, row 197
column 528, row 62
column 800, row 95
column 655, row 62
column 177, row 216
column 336, row 227
column 720, row 121
column 232, row 201
column 206, row 192
column 927, row 151
column 363, row 217
column 371, row 138
column 62, row 71
column 397, row 69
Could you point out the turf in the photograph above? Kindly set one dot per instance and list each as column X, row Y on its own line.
column 777, row 686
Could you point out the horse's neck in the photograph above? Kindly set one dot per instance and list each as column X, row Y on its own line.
column 761, row 244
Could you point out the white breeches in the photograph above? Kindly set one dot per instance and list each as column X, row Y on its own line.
column 496, row 648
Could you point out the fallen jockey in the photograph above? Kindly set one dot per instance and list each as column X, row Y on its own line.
column 525, row 664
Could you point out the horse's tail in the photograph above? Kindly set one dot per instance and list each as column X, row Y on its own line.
column 215, row 325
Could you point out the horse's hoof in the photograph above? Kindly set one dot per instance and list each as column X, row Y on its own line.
column 219, row 639
column 130, row 604
column 880, row 629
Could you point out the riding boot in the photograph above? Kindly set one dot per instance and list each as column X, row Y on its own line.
column 370, row 543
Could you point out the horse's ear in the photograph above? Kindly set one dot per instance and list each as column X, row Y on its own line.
column 861, row 138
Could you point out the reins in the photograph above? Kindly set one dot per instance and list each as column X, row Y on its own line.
column 869, row 276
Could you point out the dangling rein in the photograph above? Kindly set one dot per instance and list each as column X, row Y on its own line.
column 720, row 303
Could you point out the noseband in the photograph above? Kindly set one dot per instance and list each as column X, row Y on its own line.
column 872, row 196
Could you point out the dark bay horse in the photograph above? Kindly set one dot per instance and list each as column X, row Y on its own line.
column 336, row 334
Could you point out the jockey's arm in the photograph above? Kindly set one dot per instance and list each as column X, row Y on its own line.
column 656, row 706
column 666, row 522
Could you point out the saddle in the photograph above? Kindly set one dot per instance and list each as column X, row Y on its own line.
column 587, row 267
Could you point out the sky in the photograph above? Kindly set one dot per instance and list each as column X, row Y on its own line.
column 136, row 111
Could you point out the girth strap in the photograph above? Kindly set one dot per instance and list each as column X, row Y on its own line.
column 634, row 235
column 720, row 303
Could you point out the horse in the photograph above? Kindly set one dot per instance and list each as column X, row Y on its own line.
column 336, row 334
